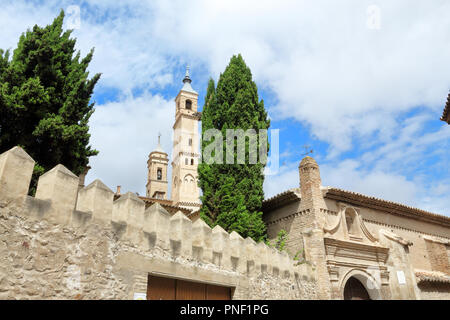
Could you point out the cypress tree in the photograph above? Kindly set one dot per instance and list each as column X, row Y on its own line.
column 233, row 193
column 45, row 99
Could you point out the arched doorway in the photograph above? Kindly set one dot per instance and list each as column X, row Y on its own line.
column 355, row 290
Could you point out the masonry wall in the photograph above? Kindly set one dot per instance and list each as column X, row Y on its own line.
column 428, row 250
column 70, row 244
column 413, row 230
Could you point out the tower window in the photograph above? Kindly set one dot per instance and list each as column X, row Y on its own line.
column 192, row 162
column 188, row 104
column 186, row 161
column 190, row 142
column 159, row 174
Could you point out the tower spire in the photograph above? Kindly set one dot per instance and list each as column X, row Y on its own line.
column 187, row 82
column 158, row 147
column 186, row 76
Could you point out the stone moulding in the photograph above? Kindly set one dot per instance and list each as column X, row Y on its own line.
column 340, row 224
column 395, row 237
column 357, row 250
column 59, row 201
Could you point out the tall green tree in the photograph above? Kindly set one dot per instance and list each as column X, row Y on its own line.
column 233, row 193
column 45, row 99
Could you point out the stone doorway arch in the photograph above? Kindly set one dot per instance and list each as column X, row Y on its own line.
column 359, row 285
column 355, row 290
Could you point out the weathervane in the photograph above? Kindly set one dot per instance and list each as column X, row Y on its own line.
column 308, row 150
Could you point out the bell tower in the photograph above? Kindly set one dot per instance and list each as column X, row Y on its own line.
column 185, row 155
column 157, row 173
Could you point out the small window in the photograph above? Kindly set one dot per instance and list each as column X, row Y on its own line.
column 188, row 104
column 190, row 142
column 186, row 161
column 192, row 162
column 159, row 174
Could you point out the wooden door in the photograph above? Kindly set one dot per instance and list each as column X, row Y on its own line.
column 187, row 290
column 217, row 293
column 159, row 288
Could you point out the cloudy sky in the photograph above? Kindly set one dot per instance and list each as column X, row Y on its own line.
column 363, row 83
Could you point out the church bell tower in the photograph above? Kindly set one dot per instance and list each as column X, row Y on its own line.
column 157, row 173
column 185, row 156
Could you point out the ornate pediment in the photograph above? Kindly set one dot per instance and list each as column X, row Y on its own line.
column 354, row 252
column 349, row 226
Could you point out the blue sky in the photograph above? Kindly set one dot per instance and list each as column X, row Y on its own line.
column 363, row 83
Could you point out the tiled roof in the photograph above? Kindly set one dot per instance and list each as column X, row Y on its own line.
column 391, row 207
column 359, row 199
column 446, row 114
column 285, row 197
column 166, row 204
column 431, row 276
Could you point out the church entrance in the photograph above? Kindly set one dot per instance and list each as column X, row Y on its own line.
column 355, row 290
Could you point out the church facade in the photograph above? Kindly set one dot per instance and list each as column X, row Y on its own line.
column 362, row 247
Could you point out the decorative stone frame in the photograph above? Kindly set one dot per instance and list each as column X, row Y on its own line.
column 357, row 254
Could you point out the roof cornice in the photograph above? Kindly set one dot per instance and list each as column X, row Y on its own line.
column 387, row 206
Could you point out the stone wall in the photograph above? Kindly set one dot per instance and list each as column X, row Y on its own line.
column 70, row 244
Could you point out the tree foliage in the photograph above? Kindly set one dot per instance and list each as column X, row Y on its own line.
column 233, row 193
column 45, row 99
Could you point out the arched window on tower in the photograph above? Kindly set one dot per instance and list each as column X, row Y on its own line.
column 190, row 141
column 186, row 161
column 188, row 104
column 159, row 174
column 192, row 162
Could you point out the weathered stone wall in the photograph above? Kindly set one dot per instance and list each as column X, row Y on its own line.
column 70, row 244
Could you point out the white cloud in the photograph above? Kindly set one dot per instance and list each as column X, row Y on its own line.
column 286, row 178
column 125, row 132
column 345, row 82
column 325, row 66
